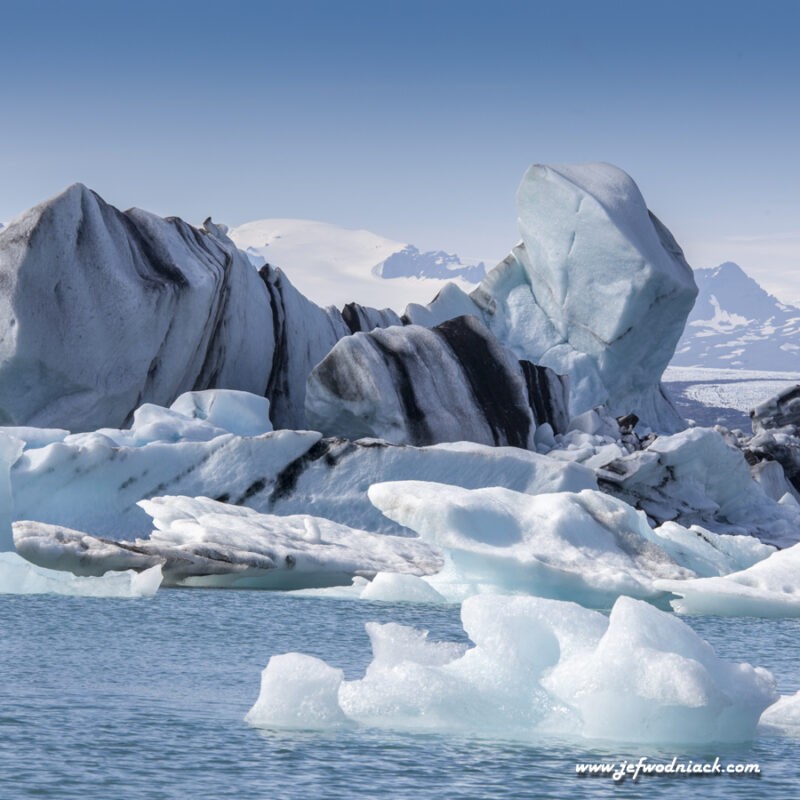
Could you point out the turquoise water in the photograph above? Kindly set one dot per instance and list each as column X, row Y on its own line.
column 118, row 699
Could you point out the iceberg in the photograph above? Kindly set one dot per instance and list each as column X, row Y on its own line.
column 93, row 481
column 584, row 546
column 81, row 278
column 201, row 542
column 783, row 716
column 538, row 668
column 598, row 289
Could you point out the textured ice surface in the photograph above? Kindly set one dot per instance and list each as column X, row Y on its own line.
column 242, row 413
column 18, row 576
column 537, row 667
column 420, row 386
column 706, row 553
column 769, row 588
column 586, row 546
column 83, row 277
column 598, row 289
column 91, row 483
column 695, row 477
column 201, row 542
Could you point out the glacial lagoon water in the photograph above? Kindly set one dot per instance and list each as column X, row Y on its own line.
column 145, row 699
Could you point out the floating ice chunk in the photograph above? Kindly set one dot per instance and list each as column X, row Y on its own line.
column 770, row 588
column 783, row 716
column 393, row 587
column 201, row 542
column 18, row 576
column 238, row 412
column 652, row 678
column 298, row 692
column 585, row 546
column 539, row 667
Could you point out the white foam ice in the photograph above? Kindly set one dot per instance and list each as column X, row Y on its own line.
column 18, row 576
column 537, row 668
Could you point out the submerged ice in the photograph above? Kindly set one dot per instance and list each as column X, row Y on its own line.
column 538, row 667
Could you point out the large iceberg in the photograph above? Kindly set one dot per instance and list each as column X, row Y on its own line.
column 538, row 667
column 597, row 289
column 80, row 278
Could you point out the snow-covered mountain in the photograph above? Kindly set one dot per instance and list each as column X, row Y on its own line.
column 332, row 265
column 736, row 324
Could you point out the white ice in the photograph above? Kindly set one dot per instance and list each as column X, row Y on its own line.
column 598, row 289
column 769, row 588
column 783, row 717
column 538, row 667
column 584, row 546
column 89, row 482
column 696, row 478
column 18, row 576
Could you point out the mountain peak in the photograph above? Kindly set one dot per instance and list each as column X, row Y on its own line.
column 737, row 324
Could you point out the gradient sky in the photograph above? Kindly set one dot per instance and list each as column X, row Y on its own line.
column 412, row 119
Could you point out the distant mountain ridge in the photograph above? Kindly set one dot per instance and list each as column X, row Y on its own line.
column 332, row 265
column 735, row 324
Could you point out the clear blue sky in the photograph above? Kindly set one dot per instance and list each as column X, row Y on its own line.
column 412, row 119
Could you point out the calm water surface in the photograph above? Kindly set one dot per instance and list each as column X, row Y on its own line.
column 144, row 699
